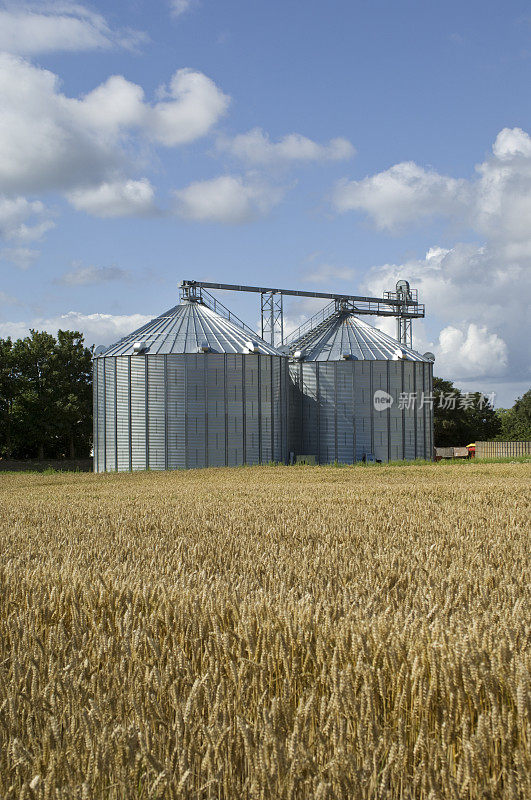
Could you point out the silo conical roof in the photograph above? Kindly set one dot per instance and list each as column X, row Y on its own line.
column 188, row 328
column 343, row 335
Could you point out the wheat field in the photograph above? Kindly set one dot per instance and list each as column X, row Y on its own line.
column 274, row 632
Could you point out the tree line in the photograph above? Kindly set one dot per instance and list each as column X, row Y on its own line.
column 45, row 396
column 462, row 418
column 46, row 402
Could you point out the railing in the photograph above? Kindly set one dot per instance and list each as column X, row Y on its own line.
column 310, row 323
column 412, row 296
column 217, row 306
column 368, row 307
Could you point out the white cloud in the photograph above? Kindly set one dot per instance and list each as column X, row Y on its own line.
column 471, row 352
column 91, row 275
column 402, row 194
column 44, row 142
column 112, row 107
column 21, row 257
column 255, row 147
column 512, row 142
column 497, row 202
column 502, row 191
column 32, row 28
column 97, row 328
column 23, row 220
column 191, row 106
column 227, row 199
column 186, row 110
column 476, row 310
column 477, row 295
column 116, row 199
column 51, row 141
column 179, row 7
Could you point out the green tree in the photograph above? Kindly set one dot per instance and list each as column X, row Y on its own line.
column 72, row 369
column 461, row 418
column 446, row 417
column 9, row 391
column 516, row 421
column 35, row 399
column 482, row 422
column 45, row 396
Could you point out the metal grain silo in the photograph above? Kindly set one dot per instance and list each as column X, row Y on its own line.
column 189, row 389
column 356, row 392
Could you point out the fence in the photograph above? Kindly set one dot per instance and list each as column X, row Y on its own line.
column 502, row 449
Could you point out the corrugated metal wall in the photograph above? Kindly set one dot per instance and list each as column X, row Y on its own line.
column 156, row 412
column 100, row 415
column 186, row 410
column 379, row 419
column 123, row 414
column 396, row 447
column 332, row 414
column 346, row 430
column 502, row 449
column 196, row 410
column 362, row 407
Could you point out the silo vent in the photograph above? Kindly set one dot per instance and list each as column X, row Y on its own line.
column 252, row 347
column 429, row 356
column 298, row 355
column 204, row 347
column 346, row 356
column 140, row 347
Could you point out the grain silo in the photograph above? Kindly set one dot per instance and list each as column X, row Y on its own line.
column 356, row 393
column 189, row 389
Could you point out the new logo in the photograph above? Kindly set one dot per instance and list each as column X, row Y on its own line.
column 382, row 400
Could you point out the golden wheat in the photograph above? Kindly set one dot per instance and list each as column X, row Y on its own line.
column 266, row 633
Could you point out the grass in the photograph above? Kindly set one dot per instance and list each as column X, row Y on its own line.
column 275, row 632
column 396, row 463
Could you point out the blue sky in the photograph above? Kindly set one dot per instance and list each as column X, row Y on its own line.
column 305, row 145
